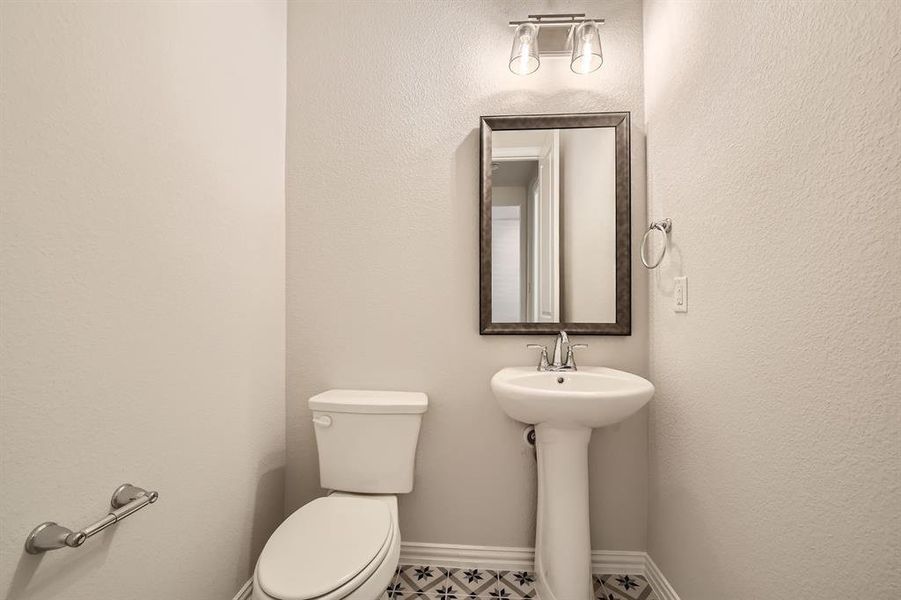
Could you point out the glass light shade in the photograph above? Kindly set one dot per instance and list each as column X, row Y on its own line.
column 587, row 56
column 524, row 55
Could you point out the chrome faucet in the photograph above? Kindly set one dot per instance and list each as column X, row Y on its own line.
column 562, row 339
column 559, row 363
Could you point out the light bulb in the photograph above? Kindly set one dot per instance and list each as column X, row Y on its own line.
column 524, row 55
column 587, row 56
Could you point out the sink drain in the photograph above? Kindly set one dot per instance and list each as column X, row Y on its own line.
column 528, row 436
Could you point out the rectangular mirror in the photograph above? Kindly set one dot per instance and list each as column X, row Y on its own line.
column 555, row 224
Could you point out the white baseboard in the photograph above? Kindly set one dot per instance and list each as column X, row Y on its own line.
column 661, row 586
column 623, row 562
column 502, row 557
column 245, row 591
column 453, row 555
column 506, row 558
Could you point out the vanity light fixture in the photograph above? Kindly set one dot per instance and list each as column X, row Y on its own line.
column 571, row 35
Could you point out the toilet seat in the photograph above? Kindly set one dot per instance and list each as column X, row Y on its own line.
column 326, row 549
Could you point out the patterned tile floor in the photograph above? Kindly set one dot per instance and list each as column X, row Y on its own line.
column 414, row 582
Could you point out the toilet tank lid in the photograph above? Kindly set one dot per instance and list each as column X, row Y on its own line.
column 369, row 401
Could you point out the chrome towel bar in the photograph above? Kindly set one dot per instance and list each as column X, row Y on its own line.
column 126, row 500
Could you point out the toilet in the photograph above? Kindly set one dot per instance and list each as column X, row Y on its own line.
column 345, row 546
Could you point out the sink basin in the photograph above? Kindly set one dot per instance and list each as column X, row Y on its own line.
column 565, row 406
column 590, row 397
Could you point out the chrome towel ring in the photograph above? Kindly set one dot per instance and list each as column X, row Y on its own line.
column 664, row 227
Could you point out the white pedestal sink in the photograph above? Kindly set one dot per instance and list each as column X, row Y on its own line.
column 565, row 406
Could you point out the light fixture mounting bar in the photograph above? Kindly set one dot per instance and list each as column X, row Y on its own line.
column 556, row 20
column 556, row 15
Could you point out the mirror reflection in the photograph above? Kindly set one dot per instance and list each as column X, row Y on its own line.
column 553, row 225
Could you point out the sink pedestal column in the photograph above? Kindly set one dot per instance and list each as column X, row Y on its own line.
column 563, row 534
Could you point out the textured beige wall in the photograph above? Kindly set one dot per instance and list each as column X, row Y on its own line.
column 774, row 144
column 382, row 180
column 142, row 291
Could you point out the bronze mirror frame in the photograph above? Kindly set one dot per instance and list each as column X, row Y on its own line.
column 623, row 233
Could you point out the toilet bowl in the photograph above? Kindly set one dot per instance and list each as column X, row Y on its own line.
column 345, row 546
column 341, row 547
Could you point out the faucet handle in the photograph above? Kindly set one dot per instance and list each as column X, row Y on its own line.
column 571, row 357
column 542, row 360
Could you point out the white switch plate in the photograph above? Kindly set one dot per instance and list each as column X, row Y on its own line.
column 680, row 294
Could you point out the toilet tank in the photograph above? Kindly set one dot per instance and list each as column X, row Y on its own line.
column 367, row 439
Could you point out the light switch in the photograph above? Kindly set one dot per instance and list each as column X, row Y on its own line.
column 680, row 294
